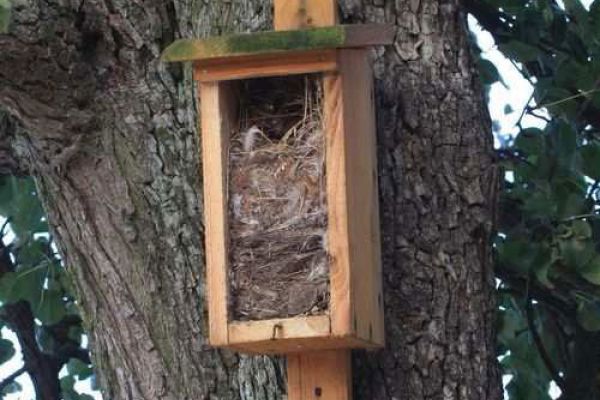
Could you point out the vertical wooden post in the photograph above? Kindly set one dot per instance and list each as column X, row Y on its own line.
column 319, row 375
column 324, row 375
column 298, row 14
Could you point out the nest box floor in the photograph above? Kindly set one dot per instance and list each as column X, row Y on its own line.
column 279, row 265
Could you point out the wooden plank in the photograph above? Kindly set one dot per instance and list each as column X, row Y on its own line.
column 337, row 200
column 291, row 346
column 324, row 375
column 354, row 243
column 279, row 329
column 265, row 66
column 299, row 14
column 362, row 194
column 280, row 42
column 217, row 108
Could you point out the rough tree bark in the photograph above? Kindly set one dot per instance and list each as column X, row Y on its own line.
column 110, row 134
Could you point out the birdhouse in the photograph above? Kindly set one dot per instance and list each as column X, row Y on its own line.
column 290, row 187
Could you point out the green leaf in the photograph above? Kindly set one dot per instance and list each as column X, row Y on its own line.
column 594, row 18
column 576, row 9
column 13, row 387
column 515, row 253
column 582, row 229
column 32, row 253
column 488, row 71
column 68, row 391
column 7, row 350
column 577, row 254
column 75, row 333
column 25, row 284
column 66, row 387
column 542, row 264
column 592, row 271
column 29, row 285
column 520, row 51
column 80, row 369
column 577, row 46
column 20, row 202
column 531, row 141
column 52, row 307
column 588, row 316
column 590, row 160
column 567, row 142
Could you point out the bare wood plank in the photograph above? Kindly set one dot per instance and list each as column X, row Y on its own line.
column 362, row 197
column 281, row 42
column 337, row 199
column 354, row 243
column 298, row 14
column 291, row 346
column 217, row 111
column 279, row 329
column 266, row 66
column 325, row 375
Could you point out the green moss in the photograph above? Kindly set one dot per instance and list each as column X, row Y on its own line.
column 256, row 43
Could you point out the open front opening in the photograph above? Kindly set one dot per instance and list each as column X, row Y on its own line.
column 277, row 203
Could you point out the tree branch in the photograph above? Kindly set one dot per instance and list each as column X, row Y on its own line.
column 42, row 368
column 550, row 298
column 539, row 344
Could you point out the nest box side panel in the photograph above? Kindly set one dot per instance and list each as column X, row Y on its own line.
column 363, row 197
column 356, row 290
column 218, row 115
column 338, row 239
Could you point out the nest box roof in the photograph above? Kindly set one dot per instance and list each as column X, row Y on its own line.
column 262, row 43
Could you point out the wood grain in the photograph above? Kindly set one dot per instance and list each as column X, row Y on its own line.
column 279, row 329
column 362, row 198
column 298, row 14
column 299, row 345
column 338, row 240
column 217, row 108
column 323, row 375
column 354, row 243
column 265, row 66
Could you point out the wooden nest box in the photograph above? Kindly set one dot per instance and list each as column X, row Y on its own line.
column 290, row 187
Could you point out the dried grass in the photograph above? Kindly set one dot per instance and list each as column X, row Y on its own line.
column 277, row 204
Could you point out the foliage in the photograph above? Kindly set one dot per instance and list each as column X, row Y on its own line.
column 4, row 15
column 548, row 245
column 35, row 292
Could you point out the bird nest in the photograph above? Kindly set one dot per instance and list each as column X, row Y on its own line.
column 279, row 265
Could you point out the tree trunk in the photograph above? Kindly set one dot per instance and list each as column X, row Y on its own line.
column 110, row 135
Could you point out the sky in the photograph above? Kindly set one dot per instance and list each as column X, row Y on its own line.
column 514, row 91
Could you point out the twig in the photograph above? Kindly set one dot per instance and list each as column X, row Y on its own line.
column 526, row 109
column 582, row 216
column 566, row 99
column 593, row 189
column 540, row 345
column 11, row 378
column 538, row 116
column 4, row 226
